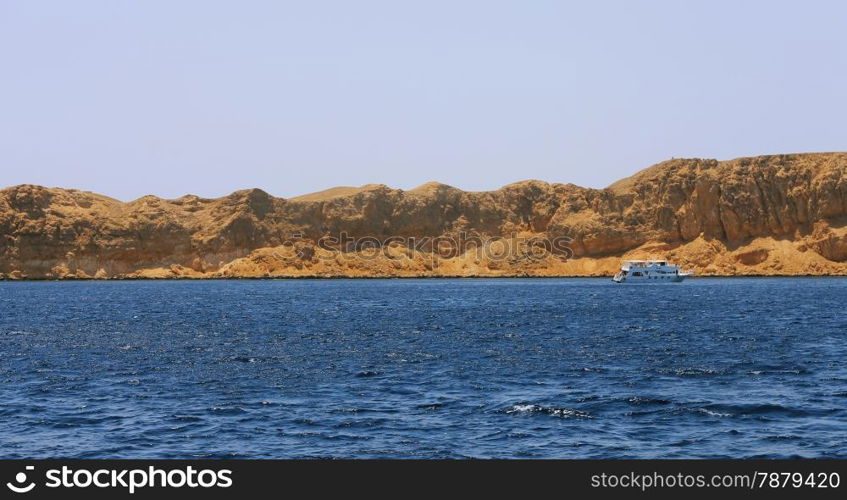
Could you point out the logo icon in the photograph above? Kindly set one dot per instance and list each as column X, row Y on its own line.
column 20, row 478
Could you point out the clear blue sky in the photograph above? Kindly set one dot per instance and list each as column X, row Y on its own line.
column 128, row 98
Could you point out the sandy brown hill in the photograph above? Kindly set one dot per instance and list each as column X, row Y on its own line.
column 781, row 214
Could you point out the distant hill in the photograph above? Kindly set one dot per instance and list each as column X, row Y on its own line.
column 765, row 215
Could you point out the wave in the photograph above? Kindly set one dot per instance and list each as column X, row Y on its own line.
column 545, row 410
column 692, row 372
column 779, row 371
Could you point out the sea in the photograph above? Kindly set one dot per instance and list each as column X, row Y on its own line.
column 424, row 368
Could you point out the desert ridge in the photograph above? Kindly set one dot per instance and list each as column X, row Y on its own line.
column 766, row 215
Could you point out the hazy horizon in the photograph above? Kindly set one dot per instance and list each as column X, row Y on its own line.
column 211, row 97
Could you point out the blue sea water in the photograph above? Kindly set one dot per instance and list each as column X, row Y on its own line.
column 424, row 368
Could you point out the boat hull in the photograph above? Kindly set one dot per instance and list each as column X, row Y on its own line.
column 635, row 279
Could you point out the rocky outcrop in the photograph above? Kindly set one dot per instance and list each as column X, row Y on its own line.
column 781, row 214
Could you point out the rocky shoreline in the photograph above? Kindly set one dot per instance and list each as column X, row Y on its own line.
column 779, row 215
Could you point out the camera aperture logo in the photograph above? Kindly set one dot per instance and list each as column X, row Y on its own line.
column 129, row 479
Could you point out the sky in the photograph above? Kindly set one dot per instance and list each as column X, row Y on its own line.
column 128, row 98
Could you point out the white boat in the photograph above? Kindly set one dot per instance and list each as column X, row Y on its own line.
column 650, row 271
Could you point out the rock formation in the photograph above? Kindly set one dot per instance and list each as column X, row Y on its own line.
column 767, row 215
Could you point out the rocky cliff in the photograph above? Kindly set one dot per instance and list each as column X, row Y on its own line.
column 767, row 215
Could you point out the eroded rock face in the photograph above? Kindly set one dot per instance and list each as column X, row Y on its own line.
column 783, row 214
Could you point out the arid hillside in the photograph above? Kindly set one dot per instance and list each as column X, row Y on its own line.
column 767, row 215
